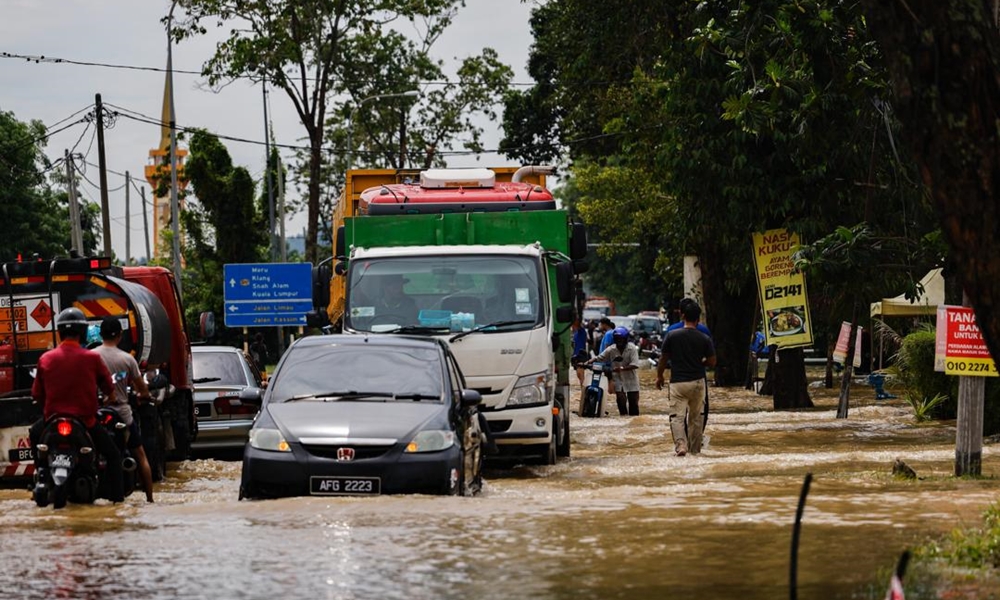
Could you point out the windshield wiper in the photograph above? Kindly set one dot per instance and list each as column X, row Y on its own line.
column 206, row 379
column 489, row 325
column 417, row 329
column 340, row 395
column 417, row 397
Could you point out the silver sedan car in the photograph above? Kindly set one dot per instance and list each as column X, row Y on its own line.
column 227, row 392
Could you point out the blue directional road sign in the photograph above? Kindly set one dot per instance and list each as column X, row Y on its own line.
column 267, row 294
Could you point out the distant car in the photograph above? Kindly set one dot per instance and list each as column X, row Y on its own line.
column 227, row 393
column 365, row 415
column 628, row 322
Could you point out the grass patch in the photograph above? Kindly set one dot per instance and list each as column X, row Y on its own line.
column 971, row 548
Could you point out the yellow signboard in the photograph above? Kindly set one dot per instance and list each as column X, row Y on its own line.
column 782, row 291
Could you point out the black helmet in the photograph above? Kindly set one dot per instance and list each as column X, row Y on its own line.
column 72, row 322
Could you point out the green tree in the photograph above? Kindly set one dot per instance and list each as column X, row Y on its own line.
column 225, row 225
column 310, row 50
column 943, row 56
column 33, row 218
column 747, row 116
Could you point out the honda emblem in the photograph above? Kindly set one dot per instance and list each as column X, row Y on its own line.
column 345, row 454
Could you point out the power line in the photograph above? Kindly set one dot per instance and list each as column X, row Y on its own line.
column 137, row 116
column 39, row 59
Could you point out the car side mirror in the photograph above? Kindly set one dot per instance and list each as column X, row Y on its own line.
column 471, row 398
column 252, row 395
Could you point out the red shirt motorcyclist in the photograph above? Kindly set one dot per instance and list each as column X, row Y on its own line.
column 66, row 382
column 67, row 379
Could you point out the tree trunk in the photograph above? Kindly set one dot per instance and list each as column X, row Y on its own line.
column 315, row 164
column 790, row 387
column 944, row 60
column 729, row 316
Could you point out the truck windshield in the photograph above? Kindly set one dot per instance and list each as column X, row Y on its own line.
column 444, row 294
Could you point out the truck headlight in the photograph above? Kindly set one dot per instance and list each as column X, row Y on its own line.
column 268, row 439
column 432, row 440
column 529, row 390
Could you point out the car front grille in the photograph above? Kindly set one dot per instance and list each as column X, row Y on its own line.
column 360, row 452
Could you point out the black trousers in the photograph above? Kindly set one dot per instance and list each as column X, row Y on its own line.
column 105, row 444
column 628, row 403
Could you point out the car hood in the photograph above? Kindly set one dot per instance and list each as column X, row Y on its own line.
column 354, row 420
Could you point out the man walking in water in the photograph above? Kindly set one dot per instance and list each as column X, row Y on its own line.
column 689, row 351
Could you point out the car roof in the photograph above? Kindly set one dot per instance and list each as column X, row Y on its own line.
column 215, row 349
column 346, row 339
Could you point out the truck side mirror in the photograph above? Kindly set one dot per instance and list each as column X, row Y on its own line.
column 578, row 242
column 564, row 281
column 340, row 245
column 565, row 314
column 580, row 266
column 321, row 276
column 206, row 325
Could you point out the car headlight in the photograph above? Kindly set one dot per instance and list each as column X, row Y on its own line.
column 268, row 439
column 433, row 440
column 529, row 390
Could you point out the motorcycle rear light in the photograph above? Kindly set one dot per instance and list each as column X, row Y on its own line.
column 64, row 428
column 233, row 406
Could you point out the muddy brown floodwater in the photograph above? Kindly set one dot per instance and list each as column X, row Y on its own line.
column 622, row 518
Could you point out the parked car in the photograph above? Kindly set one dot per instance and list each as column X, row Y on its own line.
column 227, row 395
column 365, row 415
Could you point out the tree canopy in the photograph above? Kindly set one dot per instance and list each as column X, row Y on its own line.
column 34, row 219
column 715, row 119
column 328, row 56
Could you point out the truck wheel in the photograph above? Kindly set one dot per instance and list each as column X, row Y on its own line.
column 153, row 440
column 563, row 449
column 548, row 452
column 182, row 429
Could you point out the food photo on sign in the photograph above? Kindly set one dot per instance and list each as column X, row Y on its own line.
column 786, row 321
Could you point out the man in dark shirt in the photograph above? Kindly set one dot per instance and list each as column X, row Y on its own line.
column 689, row 352
column 395, row 302
column 66, row 382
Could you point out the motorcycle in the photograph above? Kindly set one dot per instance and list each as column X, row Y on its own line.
column 68, row 468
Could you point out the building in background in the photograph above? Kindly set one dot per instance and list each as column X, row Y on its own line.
column 158, row 170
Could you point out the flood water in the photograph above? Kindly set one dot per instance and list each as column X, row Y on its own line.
column 622, row 518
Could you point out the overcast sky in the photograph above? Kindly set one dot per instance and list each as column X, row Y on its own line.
column 129, row 32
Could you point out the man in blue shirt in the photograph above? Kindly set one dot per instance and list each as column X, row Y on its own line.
column 679, row 324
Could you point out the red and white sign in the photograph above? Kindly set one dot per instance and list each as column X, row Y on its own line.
column 959, row 347
column 843, row 339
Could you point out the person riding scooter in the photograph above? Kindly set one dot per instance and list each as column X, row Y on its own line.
column 66, row 382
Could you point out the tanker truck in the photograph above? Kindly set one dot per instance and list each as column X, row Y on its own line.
column 145, row 299
column 489, row 265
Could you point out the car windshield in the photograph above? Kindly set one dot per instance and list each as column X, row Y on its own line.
column 390, row 371
column 444, row 294
column 217, row 368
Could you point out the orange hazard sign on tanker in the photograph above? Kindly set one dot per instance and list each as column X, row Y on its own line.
column 29, row 313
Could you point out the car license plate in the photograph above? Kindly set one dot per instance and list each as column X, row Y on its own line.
column 202, row 411
column 345, row 486
column 19, row 454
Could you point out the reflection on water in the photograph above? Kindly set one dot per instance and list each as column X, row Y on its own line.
column 623, row 518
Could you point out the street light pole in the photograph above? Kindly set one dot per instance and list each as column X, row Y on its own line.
column 350, row 118
column 174, row 202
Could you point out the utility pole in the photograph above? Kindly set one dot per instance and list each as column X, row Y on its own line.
column 128, row 221
column 75, row 235
column 145, row 223
column 103, row 173
column 969, row 426
column 267, row 176
column 281, row 211
column 175, row 210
